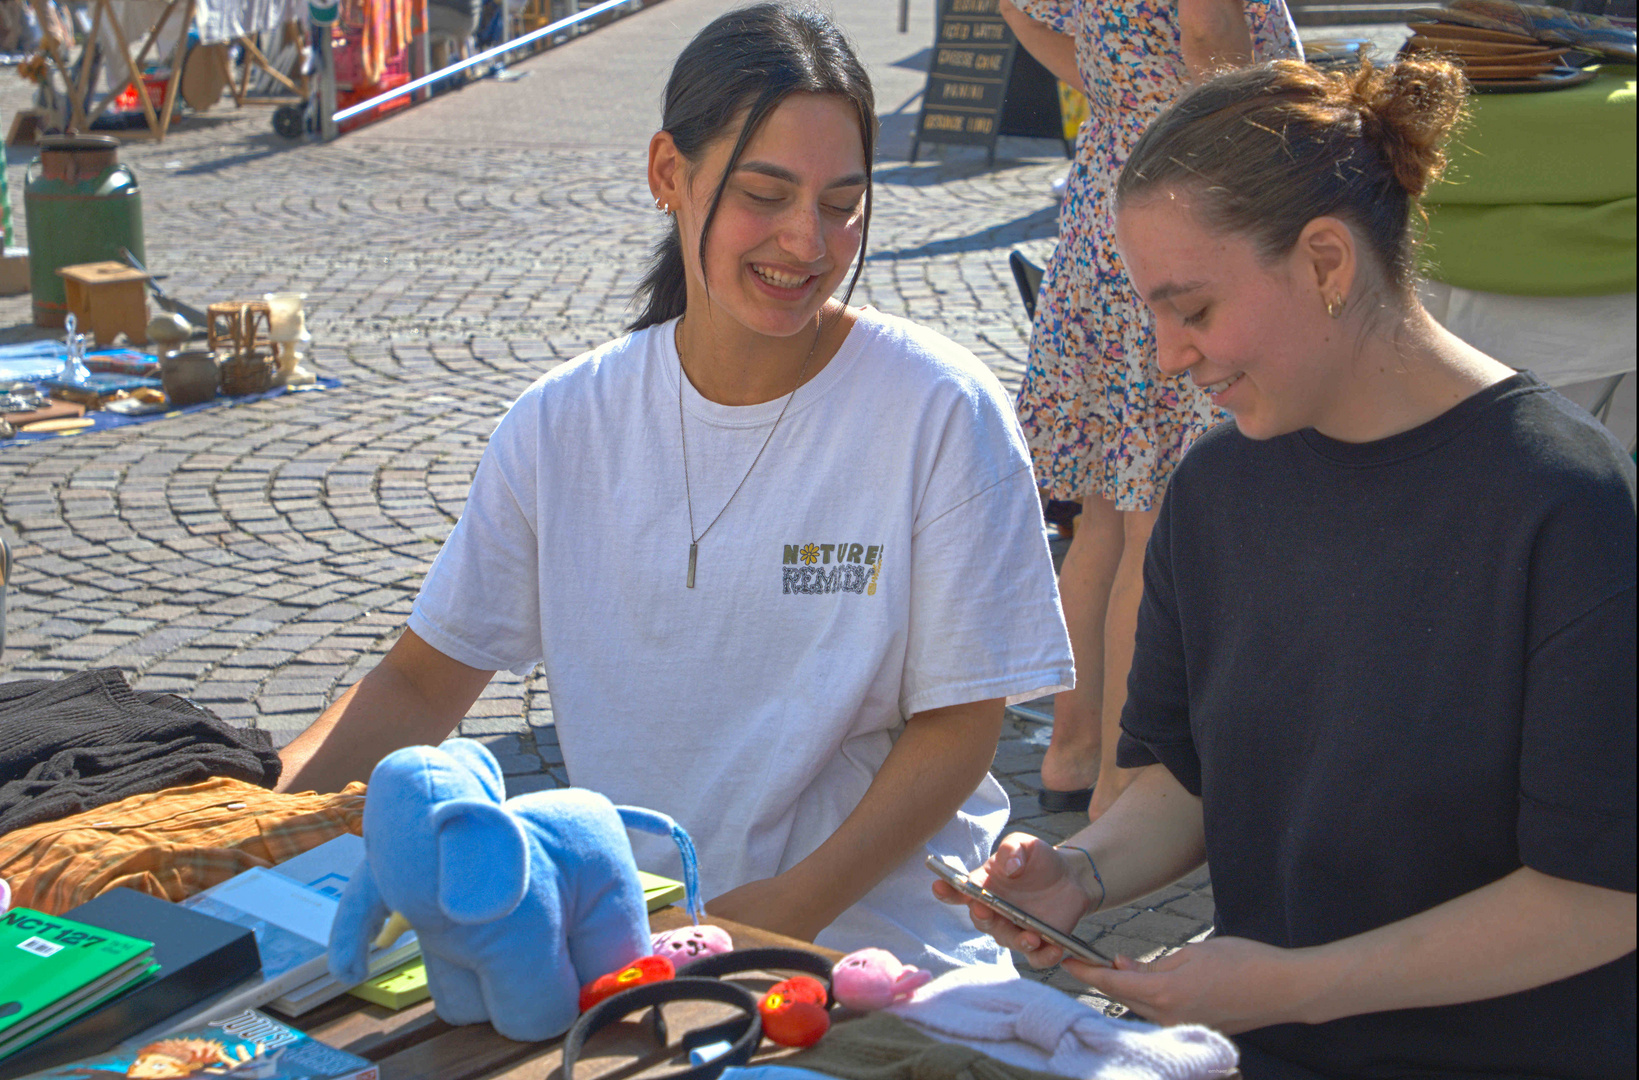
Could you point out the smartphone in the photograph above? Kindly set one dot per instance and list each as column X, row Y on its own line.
column 1071, row 944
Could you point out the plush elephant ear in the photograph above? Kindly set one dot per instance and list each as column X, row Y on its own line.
column 483, row 861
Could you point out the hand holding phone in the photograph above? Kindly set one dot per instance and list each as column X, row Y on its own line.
column 958, row 880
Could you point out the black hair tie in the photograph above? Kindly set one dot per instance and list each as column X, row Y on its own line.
column 770, row 959
column 744, row 1033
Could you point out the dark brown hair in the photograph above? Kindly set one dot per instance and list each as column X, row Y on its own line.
column 1265, row 150
column 744, row 63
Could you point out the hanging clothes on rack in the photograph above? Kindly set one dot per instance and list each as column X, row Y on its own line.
column 387, row 30
column 224, row 21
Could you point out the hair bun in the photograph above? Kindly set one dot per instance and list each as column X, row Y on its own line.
column 1266, row 149
column 1410, row 109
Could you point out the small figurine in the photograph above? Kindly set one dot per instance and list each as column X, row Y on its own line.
column 169, row 330
column 687, row 944
column 75, row 372
column 874, row 979
column 288, row 331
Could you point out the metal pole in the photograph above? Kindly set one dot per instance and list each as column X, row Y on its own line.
column 327, row 86
column 904, row 16
column 425, row 52
column 472, row 61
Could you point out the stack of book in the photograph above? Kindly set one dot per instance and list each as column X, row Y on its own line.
column 197, row 956
column 290, row 908
column 52, row 969
column 259, row 938
column 247, row 1044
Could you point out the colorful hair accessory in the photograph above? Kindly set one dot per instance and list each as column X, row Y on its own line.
column 793, row 1012
column 874, row 979
column 687, row 944
column 640, row 972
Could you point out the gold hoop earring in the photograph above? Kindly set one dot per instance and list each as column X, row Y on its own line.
column 1334, row 306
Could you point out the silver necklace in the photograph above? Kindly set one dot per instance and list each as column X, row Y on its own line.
column 683, row 432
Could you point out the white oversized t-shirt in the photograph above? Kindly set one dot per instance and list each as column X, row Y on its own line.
column 885, row 557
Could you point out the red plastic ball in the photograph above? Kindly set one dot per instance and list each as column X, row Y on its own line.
column 793, row 1012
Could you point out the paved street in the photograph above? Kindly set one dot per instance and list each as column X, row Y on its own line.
column 260, row 558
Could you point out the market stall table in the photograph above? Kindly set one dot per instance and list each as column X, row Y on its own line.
column 1531, row 239
column 413, row 1044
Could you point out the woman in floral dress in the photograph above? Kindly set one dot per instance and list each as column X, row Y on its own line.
column 1105, row 426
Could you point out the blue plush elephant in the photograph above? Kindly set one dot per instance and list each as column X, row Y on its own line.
column 517, row 902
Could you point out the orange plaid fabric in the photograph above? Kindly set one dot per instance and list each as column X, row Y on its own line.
column 170, row 843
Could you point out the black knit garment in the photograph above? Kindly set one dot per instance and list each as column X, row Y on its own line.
column 74, row 744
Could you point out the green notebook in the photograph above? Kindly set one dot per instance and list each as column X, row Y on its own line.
column 399, row 988
column 53, row 969
column 658, row 892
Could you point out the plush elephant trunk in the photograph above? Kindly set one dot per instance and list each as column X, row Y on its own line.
column 359, row 916
column 658, row 824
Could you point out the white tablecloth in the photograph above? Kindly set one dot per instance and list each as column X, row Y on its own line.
column 227, row 20
column 1578, row 344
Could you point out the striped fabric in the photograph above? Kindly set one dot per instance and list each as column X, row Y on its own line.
column 170, row 843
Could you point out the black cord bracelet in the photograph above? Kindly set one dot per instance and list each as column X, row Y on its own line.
column 742, row 1032
column 767, row 959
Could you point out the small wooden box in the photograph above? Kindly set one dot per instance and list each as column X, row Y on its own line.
column 108, row 298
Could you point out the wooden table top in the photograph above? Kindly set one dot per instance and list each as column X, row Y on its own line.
column 413, row 1044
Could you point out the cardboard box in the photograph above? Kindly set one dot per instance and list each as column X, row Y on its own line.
column 14, row 271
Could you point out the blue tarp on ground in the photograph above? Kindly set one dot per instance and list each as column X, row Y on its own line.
column 102, row 420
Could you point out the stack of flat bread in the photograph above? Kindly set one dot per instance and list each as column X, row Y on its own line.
column 1505, row 45
column 1488, row 56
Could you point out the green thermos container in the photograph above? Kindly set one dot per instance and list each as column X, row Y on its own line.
column 81, row 206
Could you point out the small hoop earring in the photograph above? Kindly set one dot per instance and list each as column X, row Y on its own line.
column 664, row 208
column 1334, row 306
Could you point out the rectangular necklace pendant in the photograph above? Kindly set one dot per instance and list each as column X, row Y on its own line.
column 694, row 551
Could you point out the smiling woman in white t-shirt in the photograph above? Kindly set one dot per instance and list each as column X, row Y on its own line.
column 782, row 558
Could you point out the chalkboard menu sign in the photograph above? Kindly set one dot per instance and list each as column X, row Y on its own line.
column 981, row 84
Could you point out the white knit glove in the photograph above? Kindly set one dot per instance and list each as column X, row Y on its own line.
column 1025, row 1023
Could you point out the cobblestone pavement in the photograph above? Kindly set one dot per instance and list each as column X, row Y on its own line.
column 259, row 559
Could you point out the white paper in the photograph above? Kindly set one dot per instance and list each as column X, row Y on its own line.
column 281, row 901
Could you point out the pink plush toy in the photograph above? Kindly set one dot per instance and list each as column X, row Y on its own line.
column 874, row 979
column 687, row 944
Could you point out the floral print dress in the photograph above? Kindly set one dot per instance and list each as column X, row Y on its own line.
column 1100, row 417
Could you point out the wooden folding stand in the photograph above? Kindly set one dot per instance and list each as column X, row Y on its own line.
column 254, row 57
column 78, row 83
